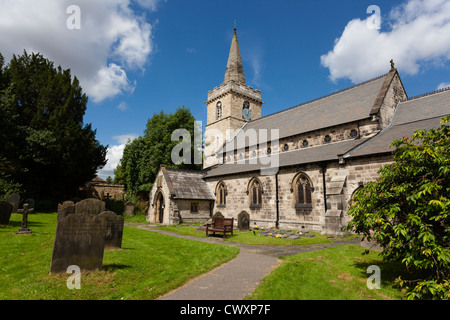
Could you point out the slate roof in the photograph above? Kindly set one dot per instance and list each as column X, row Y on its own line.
column 187, row 184
column 411, row 115
column 328, row 152
column 352, row 104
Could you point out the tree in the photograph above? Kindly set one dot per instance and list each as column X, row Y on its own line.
column 143, row 156
column 50, row 151
column 407, row 211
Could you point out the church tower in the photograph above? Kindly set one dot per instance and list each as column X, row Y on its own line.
column 229, row 106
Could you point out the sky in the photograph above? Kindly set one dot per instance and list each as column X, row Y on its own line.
column 135, row 58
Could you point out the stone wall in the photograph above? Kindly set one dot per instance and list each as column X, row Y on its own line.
column 330, row 203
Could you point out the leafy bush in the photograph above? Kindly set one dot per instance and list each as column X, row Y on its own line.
column 406, row 211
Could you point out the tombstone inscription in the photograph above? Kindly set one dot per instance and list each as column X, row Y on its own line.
column 80, row 241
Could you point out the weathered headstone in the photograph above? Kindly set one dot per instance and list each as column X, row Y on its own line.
column 129, row 209
column 14, row 200
column 5, row 212
column 114, row 229
column 90, row 206
column 243, row 221
column 65, row 204
column 66, row 211
column 80, row 241
column 24, row 229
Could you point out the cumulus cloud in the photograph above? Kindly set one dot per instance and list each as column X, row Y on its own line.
column 114, row 37
column 114, row 154
column 412, row 34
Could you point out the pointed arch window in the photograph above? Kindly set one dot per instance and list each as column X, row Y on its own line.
column 303, row 189
column 219, row 110
column 255, row 192
column 221, row 195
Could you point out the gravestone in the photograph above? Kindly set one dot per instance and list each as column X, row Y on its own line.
column 24, row 229
column 129, row 209
column 217, row 215
column 90, row 206
column 65, row 208
column 80, row 241
column 14, row 200
column 243, row 221
column 5, row 212
column 114, row 229
column 30, row 203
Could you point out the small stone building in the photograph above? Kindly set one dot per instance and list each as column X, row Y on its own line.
column 180, row 196
column 297, row 168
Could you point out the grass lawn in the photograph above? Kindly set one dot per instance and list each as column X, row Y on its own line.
column 247, row 237
column 147, row 266
column 337, row 273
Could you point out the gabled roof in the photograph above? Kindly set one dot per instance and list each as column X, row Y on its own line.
column 328, row 152
column 416, row 114
column 187, row 184
column 352, row 104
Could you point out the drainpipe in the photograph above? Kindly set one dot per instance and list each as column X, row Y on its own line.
column 277, row 201
column 323, row 165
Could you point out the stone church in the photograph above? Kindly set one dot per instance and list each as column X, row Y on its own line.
column 297, row 168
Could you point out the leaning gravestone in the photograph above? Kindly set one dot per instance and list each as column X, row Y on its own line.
column 90, row 206
column 14, row 200
column 80, row 241
column 114, row 229
column 5, row 212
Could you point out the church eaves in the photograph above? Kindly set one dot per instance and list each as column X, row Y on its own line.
column 235, row 69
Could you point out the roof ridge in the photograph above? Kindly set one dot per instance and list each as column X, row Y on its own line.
column 426, row 94
column 323, row 97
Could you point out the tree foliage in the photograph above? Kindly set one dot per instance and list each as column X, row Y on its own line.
column 48, row 150
column 407, row 209
column 143, row 156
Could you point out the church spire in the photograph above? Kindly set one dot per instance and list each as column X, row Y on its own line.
column 235, row 69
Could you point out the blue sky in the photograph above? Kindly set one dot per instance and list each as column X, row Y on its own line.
column 135, row 58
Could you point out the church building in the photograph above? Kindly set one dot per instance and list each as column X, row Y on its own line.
column 297, row 168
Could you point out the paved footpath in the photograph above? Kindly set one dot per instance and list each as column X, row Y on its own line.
column 239, row 277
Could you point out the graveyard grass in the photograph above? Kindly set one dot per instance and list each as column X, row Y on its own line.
column 145, row 268
column 336, row 273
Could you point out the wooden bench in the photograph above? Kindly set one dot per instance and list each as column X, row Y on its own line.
column 222, row 225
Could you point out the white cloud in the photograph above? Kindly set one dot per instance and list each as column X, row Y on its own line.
column 112, row 39
column 114, row 154
column 443, row 85
column 123, row 106
column 419, row 32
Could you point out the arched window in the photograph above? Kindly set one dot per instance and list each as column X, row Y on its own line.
column 219, row 110
column 255, row 191
column 303, row 189
column 221, row 195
